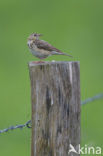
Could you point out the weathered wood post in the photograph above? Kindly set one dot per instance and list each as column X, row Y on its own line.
column 55, row 94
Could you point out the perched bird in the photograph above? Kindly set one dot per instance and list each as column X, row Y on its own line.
column 42, row 49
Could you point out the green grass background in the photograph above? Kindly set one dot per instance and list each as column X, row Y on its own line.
column 70, row 25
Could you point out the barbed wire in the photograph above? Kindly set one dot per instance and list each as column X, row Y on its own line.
column 28, row 123
column 91, row 99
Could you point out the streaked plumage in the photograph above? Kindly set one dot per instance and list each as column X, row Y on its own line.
column 41, row 48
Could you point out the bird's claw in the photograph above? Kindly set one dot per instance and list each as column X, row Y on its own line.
column 37, row 62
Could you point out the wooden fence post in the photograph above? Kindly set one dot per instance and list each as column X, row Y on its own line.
column 55, row 94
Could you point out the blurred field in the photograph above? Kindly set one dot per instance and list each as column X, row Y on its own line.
column 73, row 25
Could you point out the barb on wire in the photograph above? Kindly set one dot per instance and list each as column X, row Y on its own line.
column 28, row 123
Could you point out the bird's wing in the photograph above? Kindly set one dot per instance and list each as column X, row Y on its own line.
column 46, row 46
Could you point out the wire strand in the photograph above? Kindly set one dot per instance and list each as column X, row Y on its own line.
column 28, row 123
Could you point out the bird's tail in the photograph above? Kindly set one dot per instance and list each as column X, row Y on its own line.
column 60, row 53
column 66, row 54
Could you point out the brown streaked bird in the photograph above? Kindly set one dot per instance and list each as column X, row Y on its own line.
column 41, row 48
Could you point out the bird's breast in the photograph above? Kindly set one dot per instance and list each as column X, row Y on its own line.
column 30, row 44
column 40, row 53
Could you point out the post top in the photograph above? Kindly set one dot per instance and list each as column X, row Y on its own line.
column 37, row 63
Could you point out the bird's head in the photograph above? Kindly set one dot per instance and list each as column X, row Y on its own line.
column 34, row 36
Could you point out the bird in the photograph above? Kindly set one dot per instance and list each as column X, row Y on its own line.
column 42, row 49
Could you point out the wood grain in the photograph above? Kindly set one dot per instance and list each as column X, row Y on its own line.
column 55, row 94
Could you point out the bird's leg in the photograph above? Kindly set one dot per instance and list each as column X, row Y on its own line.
column 37, row 62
